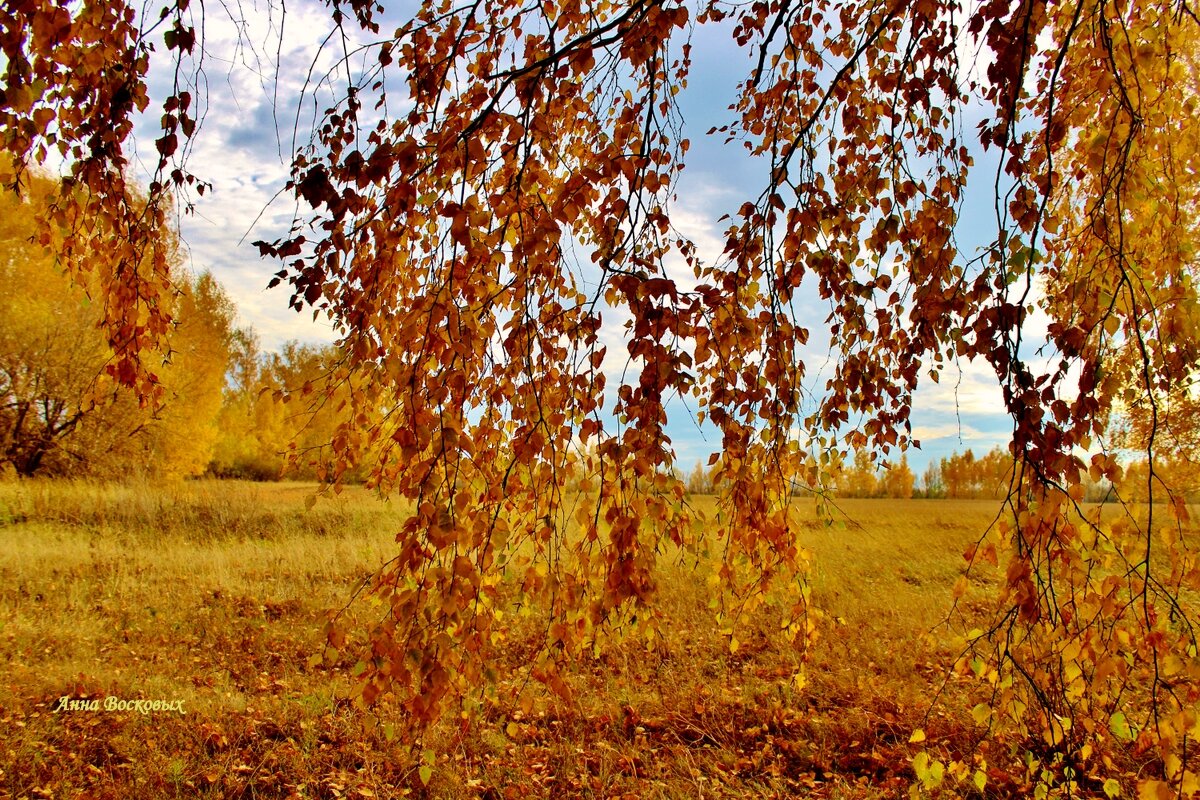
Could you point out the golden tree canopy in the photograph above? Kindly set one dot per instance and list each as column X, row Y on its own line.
column 60, row 409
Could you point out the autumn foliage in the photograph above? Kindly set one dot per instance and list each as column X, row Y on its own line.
column 62, row 412
column 222, row 406
column 472, row 243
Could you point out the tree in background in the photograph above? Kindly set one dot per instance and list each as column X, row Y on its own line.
column 60, row 410
column 465, row 242
column 899, row 480
column 863, row 478
column 995, row 473
column 859, row 479
column 698, row 480
column 312, row 407
column 182, row 433
column 959, row 474
column 251, row 440
column 278, row 419
column 50, row 352
column 221, row 405
column 964, row 476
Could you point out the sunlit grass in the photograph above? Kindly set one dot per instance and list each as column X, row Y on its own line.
column 214, row 594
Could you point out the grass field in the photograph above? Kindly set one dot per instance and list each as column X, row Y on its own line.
column 211, row 596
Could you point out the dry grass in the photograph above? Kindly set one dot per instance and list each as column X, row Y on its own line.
column 213, row 594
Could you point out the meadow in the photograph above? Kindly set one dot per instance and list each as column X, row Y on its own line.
column 210, row 596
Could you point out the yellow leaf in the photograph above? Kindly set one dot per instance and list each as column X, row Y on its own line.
column 917, row 736
column 1119, row 727
column 1154, row 790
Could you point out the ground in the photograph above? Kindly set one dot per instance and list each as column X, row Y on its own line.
column 210, row 596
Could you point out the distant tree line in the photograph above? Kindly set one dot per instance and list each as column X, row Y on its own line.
column 962, row 476
column 965, row 476
column 860, row 478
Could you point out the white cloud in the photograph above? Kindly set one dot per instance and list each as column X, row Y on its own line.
column 956, row 431
column 245, row 86
column 969, row 387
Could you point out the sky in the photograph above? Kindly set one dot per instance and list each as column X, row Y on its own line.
column 255, row 63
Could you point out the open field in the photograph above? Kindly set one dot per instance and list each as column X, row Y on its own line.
column 211, row 595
